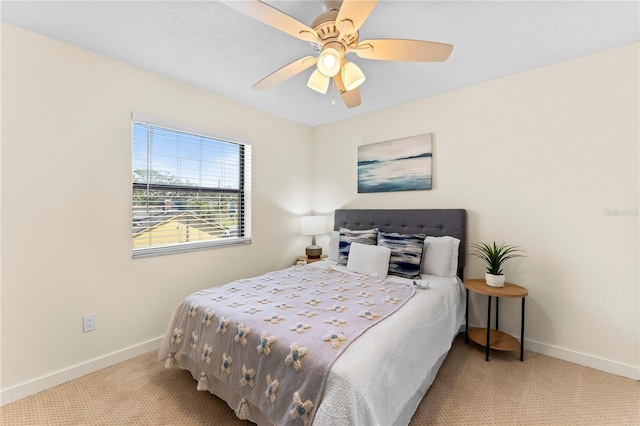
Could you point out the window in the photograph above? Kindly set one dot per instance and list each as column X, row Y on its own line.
column 191, row 189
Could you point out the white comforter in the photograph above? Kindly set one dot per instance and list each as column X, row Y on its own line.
column 403, row 355
column 407, row 349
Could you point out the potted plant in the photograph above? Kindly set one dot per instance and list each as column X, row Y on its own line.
column 495, row 256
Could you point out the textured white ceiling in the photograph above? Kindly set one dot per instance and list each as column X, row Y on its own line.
column 211, row 46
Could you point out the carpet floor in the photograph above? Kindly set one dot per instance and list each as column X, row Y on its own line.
column 467, row 391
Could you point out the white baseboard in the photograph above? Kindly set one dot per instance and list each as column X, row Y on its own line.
column 34, row 386
column 606, row 365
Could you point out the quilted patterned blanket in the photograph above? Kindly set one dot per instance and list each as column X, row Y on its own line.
column 274, row 338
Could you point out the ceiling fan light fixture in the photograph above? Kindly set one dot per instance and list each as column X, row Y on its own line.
column 318, row 82
column 352, row 76
column 334, row 34
column 329, row 62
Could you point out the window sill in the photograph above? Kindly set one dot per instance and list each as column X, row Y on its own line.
column 187, row 247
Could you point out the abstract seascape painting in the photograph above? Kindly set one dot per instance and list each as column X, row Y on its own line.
column 396, row 165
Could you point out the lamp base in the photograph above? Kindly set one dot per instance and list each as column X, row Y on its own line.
column 313, row 252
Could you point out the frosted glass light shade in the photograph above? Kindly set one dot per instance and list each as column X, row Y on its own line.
column 313, row 225
column 352, row 76
column 318, row 82
column 329, row 62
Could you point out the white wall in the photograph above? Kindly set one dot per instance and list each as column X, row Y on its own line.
column 537, row 159
column 66, row 208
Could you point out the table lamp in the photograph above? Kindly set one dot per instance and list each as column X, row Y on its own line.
column 313, row 225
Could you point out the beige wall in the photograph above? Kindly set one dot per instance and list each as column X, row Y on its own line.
column 66, row 207
column 564, row 139
column 537, row 159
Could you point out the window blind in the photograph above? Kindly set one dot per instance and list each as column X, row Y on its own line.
column 190, row 191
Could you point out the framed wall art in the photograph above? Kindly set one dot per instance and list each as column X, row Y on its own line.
column 396, row 165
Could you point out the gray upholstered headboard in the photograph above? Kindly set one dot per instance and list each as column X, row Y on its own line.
column 433, row 222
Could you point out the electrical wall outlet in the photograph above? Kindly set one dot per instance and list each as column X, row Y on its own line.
column 89, row 322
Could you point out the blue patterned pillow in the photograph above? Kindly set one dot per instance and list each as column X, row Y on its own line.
column 347, row 236
column 406, row 253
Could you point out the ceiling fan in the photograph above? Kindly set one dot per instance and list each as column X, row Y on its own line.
column 334, row 34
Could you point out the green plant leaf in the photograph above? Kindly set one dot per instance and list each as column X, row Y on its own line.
column 495, row 255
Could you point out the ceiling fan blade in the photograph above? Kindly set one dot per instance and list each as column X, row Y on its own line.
column 403, row 50
column 286, row 72
column 353, row 13
column 351, row 98
column 274, row 17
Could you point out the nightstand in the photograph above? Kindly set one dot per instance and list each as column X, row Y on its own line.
column 494, row 338
column 305, row 259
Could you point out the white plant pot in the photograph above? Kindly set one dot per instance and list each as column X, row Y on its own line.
column 494, row 280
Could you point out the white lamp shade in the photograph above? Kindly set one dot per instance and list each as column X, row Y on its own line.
column 318, row 82
column 352, row 76
column 329, row 62
column 313, row 225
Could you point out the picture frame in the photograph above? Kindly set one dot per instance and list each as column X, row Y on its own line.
column 396, row 165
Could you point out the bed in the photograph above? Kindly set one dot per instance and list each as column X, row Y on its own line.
column 333, row 342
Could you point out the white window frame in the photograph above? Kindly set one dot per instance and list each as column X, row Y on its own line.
column 244, row 190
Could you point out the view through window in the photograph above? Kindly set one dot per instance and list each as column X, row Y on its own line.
column 189, row 191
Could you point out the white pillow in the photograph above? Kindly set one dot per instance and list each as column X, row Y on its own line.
column 440, row 256
column 369, row 260
column 334, row 244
